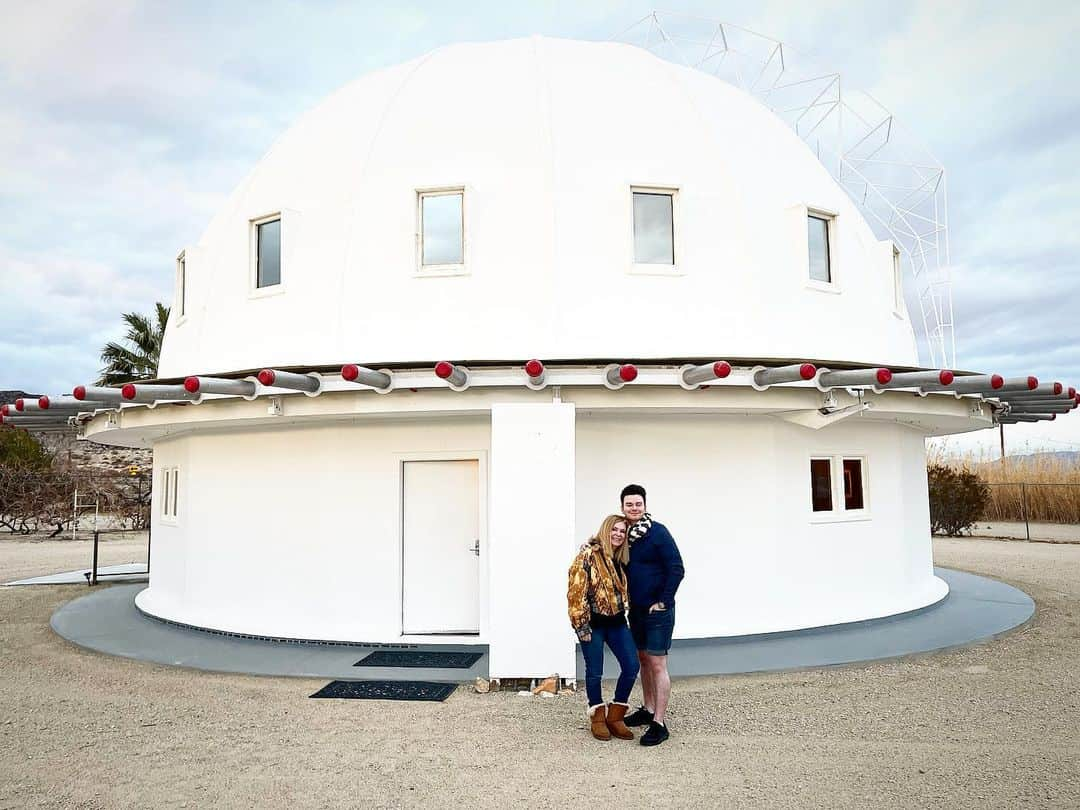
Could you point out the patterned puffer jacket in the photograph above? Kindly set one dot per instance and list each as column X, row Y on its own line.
column 597, row 585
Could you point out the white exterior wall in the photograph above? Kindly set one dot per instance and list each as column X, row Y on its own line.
column 532, row 530
column 735, row 493
column 295, row 532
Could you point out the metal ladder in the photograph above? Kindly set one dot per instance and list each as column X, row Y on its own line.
column 78, row 509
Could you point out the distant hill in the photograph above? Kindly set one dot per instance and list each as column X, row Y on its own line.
column 7, row 397
column 1066, row 457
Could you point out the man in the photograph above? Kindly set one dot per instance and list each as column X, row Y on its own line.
column 653, row 576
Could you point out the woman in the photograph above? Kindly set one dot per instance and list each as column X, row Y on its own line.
column 597, row 606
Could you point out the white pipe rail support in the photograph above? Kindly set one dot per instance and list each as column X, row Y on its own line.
column 150, row 393
column 987, row 384
column 457, row 377
column 219, row 385
column 310, row 383
column 1053, row 389
column 1041, row 408
column 36, row 419
column 693, row 377
column 31, row 406
column 917, row 379
column 619, row 374
column 535, row 375
column 1022, row 384
column 827, row 379
column 97, row 393
column 1037, row 398
column 69, row 404
column 381, row 381
column 1039, row 401
column 761, row 377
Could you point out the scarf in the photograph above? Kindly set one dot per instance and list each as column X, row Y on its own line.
column 641, row 527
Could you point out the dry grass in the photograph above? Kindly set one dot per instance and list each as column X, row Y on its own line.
column 1049, row 487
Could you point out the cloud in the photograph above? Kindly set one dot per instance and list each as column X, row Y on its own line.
column 124, row 126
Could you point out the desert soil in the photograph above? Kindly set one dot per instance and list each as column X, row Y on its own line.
column 996, row 725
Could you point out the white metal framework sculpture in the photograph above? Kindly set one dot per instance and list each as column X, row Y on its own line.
column 896, row 182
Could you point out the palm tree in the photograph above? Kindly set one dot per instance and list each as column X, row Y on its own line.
column 136, row 357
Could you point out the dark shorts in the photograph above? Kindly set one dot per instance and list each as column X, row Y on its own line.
column 652, row 631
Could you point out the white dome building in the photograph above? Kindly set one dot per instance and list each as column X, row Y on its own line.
column 587, row 205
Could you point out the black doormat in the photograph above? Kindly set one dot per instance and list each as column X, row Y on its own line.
column 419, row 658
column 386, row 690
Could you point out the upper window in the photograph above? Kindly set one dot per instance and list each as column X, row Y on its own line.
column 442, row 229
column 268, row 252
column 181, row 285
column 654, row 227
column 818, row 232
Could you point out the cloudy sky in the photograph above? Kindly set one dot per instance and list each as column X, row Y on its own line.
column 124, row 125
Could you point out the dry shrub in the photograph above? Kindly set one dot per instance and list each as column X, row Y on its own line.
column 1045, row 487
column 958, row 497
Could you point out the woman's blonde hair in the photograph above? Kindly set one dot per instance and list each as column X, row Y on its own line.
column 603, row 538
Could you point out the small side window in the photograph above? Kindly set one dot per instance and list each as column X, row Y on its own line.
column 821, row 495
column 170, row 492
column 898, row 281
column 181, row 286
column 819, row 232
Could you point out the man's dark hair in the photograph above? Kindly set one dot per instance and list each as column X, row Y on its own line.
column 632, row 489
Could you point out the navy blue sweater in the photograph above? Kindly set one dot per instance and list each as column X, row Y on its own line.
column 655, row 569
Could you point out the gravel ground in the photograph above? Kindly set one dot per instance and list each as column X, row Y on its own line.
column 991, row 726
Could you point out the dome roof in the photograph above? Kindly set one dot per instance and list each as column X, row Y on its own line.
column 547, row 138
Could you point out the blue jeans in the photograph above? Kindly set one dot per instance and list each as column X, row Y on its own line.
column 622, row 644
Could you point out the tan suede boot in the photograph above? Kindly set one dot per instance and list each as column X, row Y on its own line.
column 598, row 714
column 615, row 714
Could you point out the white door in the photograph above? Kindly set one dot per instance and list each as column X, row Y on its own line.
column 441, row 547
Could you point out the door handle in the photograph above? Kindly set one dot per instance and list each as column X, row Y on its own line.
column 475, row 547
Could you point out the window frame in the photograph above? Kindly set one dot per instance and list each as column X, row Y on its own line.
column 829, row 217
column 439, row 270
column 254, row 290
column 644, row 268
column 839, row 513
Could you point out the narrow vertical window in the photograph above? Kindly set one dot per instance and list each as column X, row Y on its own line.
column 181, row 285
column 853, row 484
column 268, row 253
column 442, row 228
column 654, row 227
column 166, row 490
column 898, row 282
column 821, row 484
column 175, row 491
column 820, row 258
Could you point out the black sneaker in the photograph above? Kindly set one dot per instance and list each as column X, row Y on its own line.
column 656, row 734
column 639, row 717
